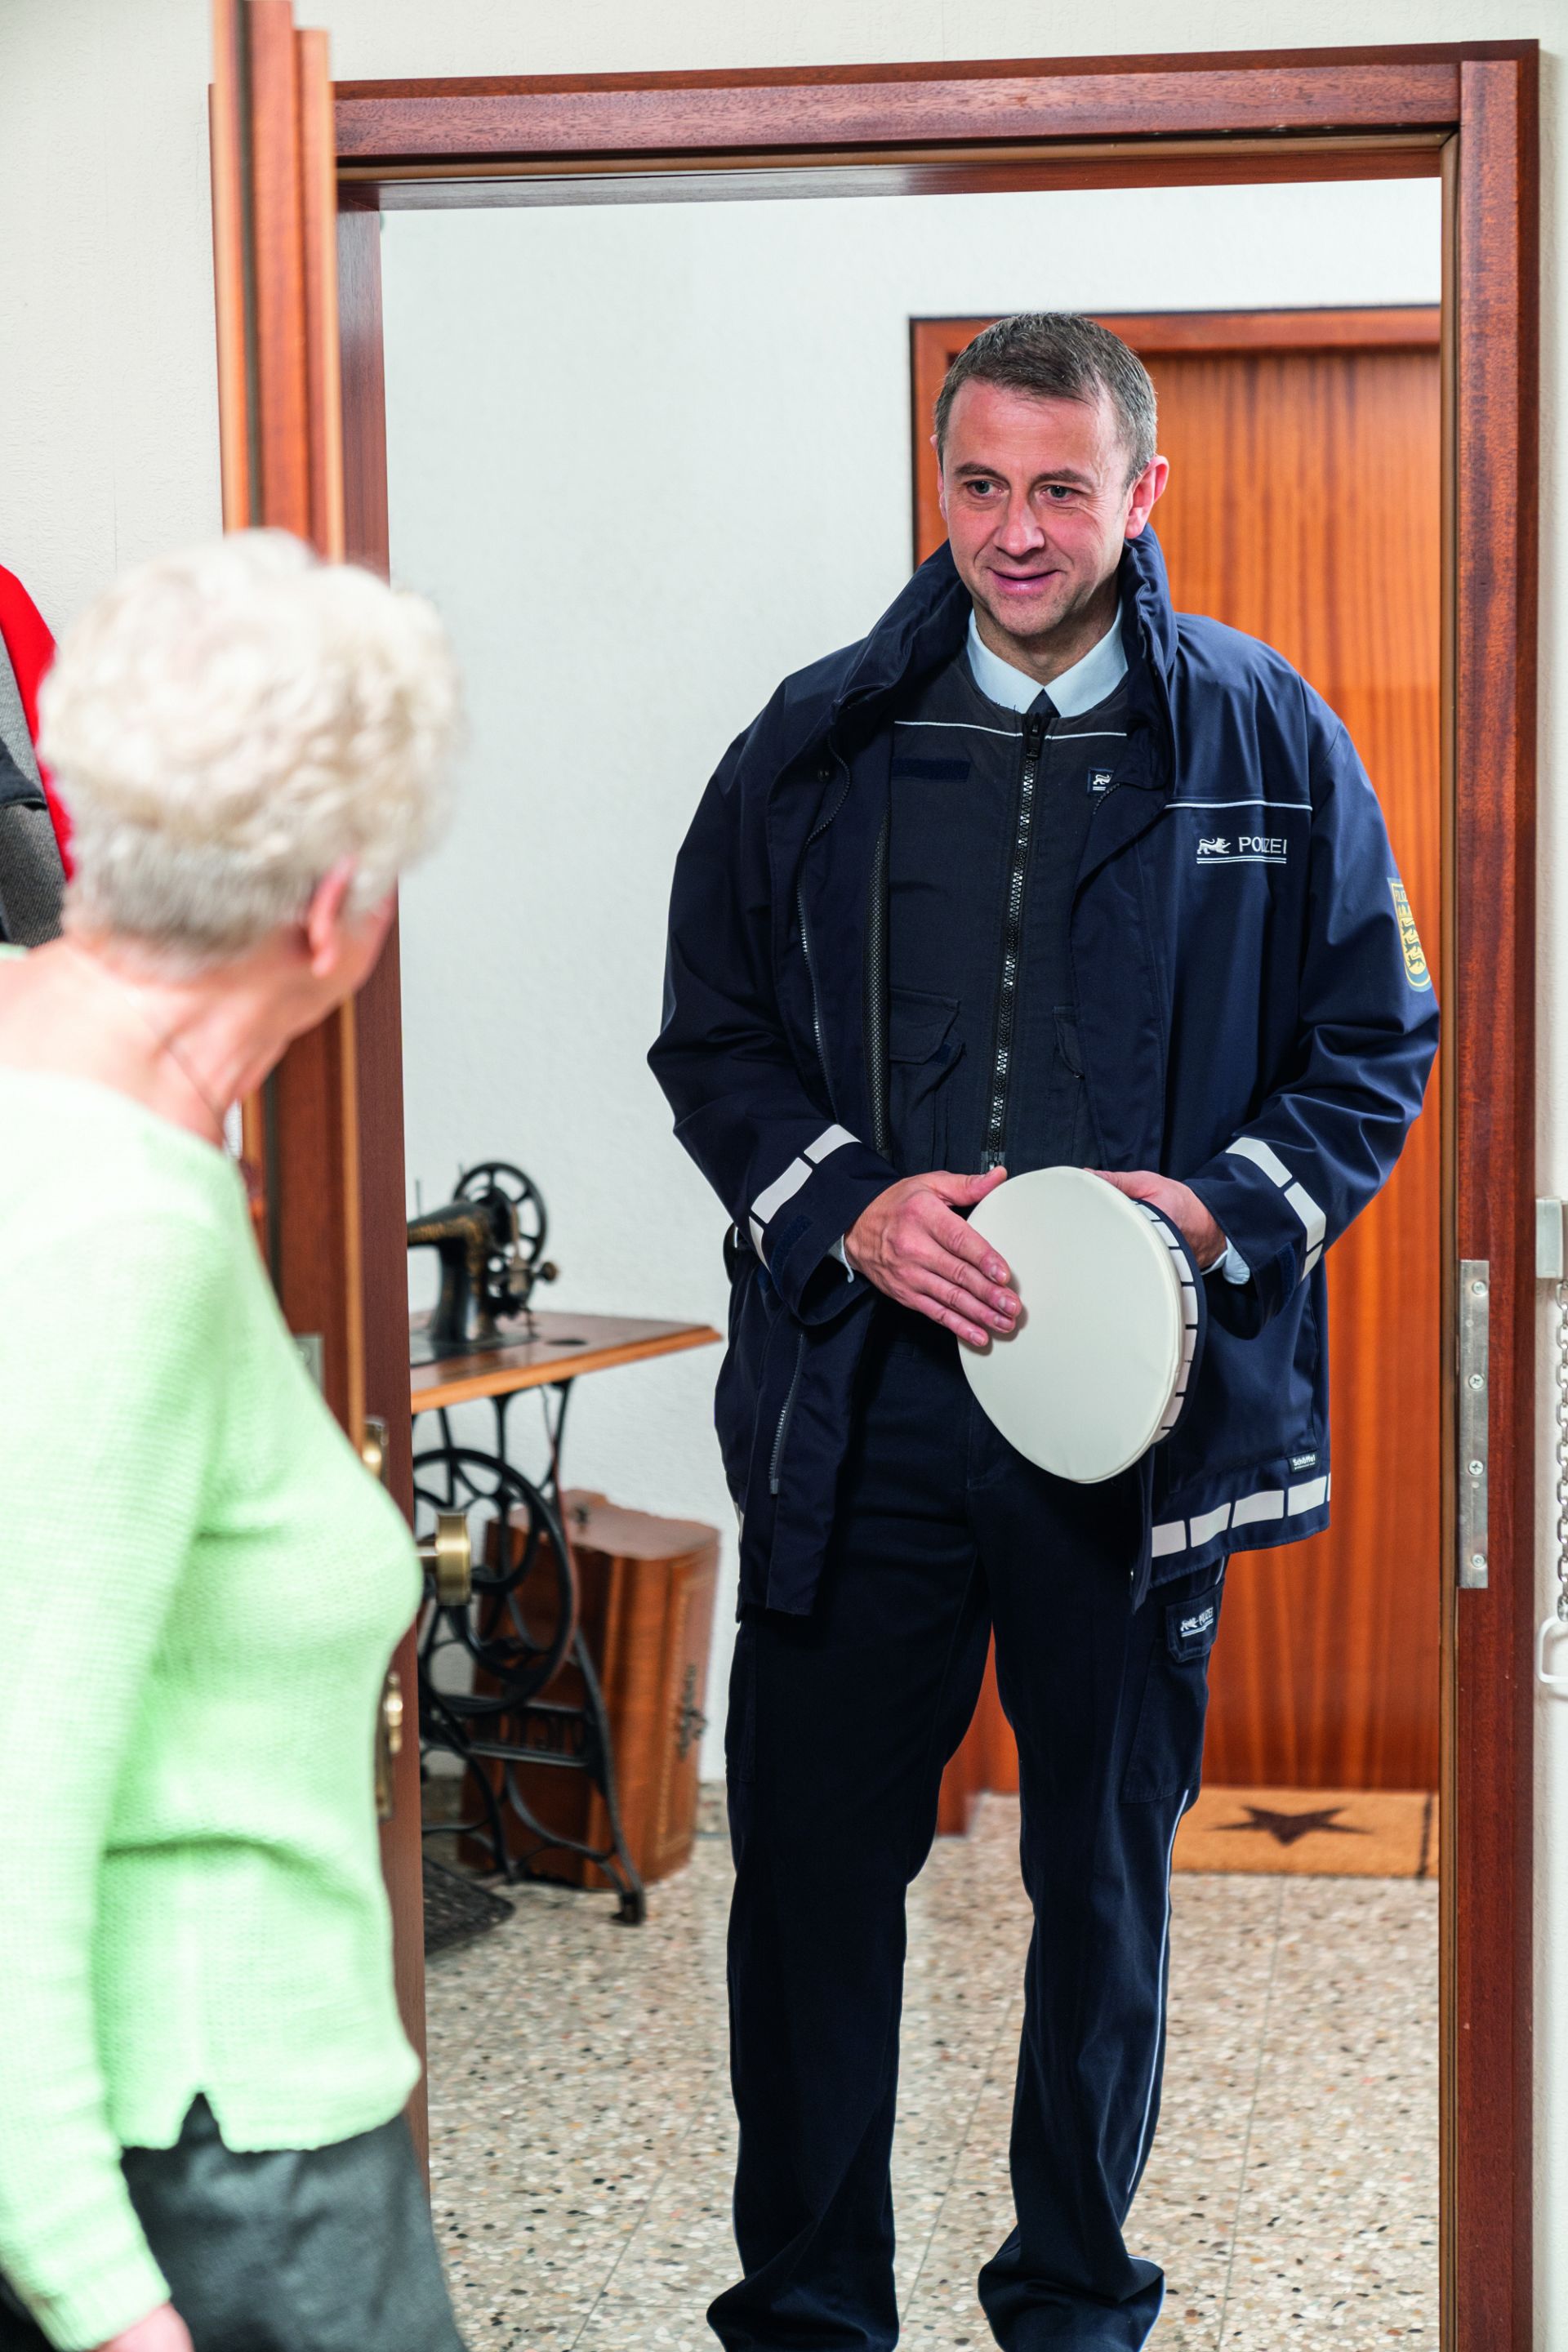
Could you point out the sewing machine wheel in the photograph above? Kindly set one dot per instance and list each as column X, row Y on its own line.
column 498, row 1176
column 516, row 1211
column 519, row 1625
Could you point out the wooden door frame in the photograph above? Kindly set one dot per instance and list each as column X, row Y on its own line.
column 1463, row 112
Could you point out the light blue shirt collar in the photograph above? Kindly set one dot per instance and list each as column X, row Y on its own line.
column 1076, row 690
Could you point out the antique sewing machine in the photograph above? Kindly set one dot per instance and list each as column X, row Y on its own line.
column 489, row 1238
column 493, row 1639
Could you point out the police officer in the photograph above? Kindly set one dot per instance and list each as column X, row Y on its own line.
column 1039, row 872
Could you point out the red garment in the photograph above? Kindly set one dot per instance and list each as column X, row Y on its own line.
column 32, row 649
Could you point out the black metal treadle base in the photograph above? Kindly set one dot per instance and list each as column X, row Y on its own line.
column 455, row 1910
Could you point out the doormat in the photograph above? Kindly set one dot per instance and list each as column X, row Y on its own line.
column 457, row 1909
column 1312, row 1832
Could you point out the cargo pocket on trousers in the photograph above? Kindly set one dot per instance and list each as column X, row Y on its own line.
column 1166, row 1757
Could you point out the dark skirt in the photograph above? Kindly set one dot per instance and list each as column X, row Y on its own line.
column 288, row 2250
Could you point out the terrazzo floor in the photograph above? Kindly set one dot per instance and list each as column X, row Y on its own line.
column 581, row 2139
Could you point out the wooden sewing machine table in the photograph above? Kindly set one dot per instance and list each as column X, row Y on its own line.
column 503, row 1736
column 563, row 1349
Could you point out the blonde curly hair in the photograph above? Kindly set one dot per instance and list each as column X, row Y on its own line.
column 226, row 723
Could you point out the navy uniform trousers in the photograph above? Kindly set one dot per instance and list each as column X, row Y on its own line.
column 839, row 1727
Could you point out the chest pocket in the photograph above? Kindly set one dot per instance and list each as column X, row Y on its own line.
column 922, row 1053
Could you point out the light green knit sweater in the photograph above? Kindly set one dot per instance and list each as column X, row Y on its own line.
column 199, row 1590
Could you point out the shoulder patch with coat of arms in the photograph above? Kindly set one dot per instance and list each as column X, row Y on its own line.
column 1416, row 969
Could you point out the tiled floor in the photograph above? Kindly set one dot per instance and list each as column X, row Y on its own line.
column 582, row 2140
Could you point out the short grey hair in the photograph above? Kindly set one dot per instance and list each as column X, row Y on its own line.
column 1058, row 355
column 229, row 723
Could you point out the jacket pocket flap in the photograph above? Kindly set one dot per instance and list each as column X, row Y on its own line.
column 919, row 1023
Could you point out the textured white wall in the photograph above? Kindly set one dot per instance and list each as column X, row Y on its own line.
column 108, row 442
column 647, row 459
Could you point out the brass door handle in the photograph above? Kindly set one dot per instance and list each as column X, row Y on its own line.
column 388, row 1741
column 449, row 1559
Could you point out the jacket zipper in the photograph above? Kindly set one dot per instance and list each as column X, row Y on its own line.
column 818, row 830
column 875, row 1008
column 783, row 1430
column 1012, row 940
column 810, row 973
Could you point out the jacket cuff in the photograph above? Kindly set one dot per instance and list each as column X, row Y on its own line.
column 1270, row 1219
column 797, row 1224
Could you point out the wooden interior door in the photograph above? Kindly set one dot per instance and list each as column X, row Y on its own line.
column 1304, row 506
column 326, row 1213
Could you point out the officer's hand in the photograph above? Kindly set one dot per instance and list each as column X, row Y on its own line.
column 912, row 1245
column 1182, row 1205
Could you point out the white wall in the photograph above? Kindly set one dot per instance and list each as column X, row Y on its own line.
column 646, row 459
column 107, row 443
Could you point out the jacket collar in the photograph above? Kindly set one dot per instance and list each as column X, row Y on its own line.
column 927, row 622
column 1148, row 621
column 923, row 626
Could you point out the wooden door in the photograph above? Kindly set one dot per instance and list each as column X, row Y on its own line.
column 325, row 1214
column 1304, row 506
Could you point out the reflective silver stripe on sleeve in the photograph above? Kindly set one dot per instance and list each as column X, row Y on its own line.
column 785, row 1189
column 1210, row 1523
column 1314, row 1224
column 1248, row 1147
column 1309, row 1496
column 1268, row 1504
column 1312, row 1216
column 1172, row 1536
column 828, row 1140
column 766, row 1205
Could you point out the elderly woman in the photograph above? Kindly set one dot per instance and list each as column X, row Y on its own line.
column 202, row 2071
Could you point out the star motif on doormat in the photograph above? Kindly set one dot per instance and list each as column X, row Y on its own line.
column 1286, row 1828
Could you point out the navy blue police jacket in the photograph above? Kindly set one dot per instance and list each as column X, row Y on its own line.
column 1255, row 1016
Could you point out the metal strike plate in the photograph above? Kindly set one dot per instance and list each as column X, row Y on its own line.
column 373, row 1452
column 1548, row 1241
column 1475, row 1404
column 313, row 1349
column 388, row 1744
